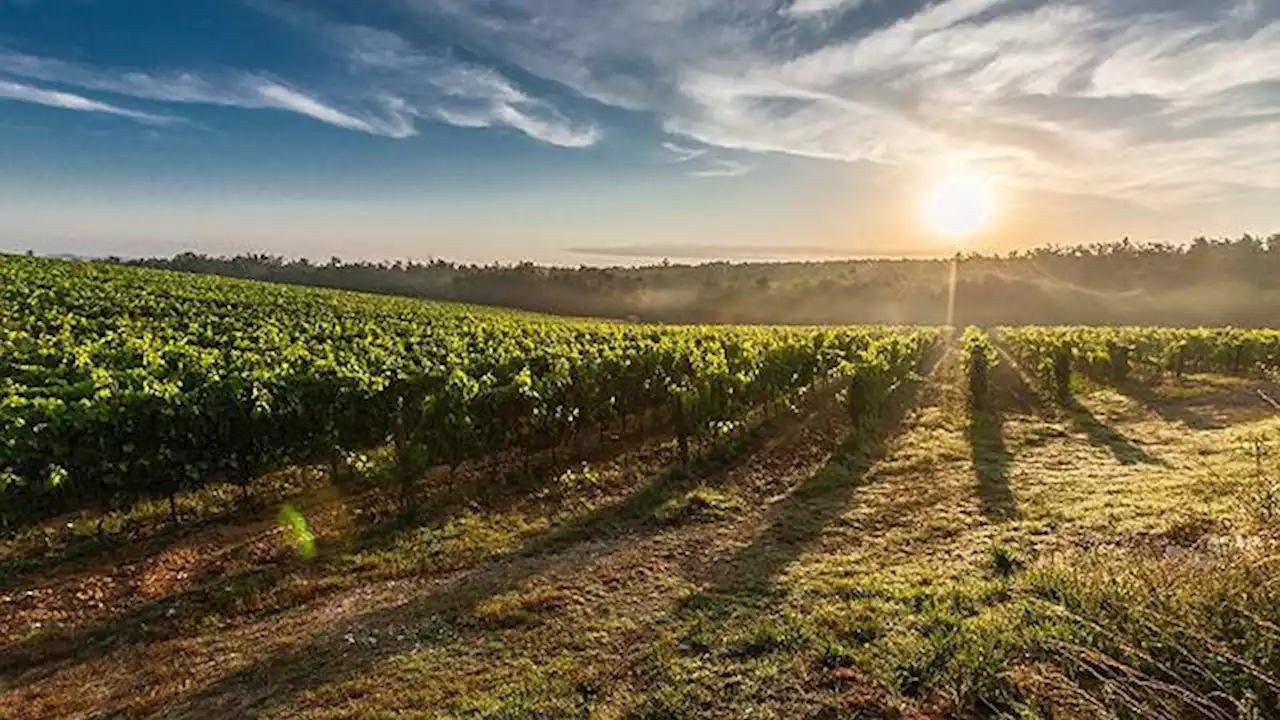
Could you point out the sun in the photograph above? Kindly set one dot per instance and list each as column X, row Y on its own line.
column 959, row 205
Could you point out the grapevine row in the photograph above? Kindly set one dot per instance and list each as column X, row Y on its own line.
column 1114, row 355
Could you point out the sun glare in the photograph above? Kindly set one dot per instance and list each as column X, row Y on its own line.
column 959, row 205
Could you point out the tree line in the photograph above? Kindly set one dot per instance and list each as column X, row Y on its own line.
column 1229, row 281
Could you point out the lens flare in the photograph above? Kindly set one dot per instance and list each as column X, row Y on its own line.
column 293, row 522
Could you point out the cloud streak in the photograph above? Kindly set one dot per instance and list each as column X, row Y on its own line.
column 240, row 90
column 395, row 123
column 806, row 8
column 722, row 169
column 69, row 101
column 702, row 163
column 678, row 153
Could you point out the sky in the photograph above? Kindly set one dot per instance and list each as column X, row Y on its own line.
column 622, row 131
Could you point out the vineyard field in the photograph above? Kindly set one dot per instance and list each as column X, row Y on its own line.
column 450, row 511
column 117, row 384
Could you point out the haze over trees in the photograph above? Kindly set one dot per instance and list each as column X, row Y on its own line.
column 1204, row 282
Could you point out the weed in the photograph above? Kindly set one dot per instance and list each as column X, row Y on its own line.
column 1005, row 561
column 1259, row 494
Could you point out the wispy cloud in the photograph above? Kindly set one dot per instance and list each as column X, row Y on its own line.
column 475, row 96
column 242, row 90
column 388, row 86
column 722, row 169
column 436, row 85
column 395, row 123
column 678, row 153
column 702, row 162
column 69, row 101
column 805, row 8
column 1143, row 99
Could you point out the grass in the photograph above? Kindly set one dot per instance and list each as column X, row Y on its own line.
column 1018, row 560
column 701, row 504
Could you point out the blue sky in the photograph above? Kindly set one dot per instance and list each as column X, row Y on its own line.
column 607, row 131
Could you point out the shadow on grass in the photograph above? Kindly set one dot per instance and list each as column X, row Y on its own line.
column 440, row 617
column 1014, row 391
column 486, row 484
column 991, row 460
column 1099, row 433
column 986, row 432
column 494, row 487
column 1170, row 409
column 54, row 554
column 496, row 494
column 799, row 519
column 738, row 610
column 1010, row 390
column 180, row 614
column 637, row 513
column 157, row 620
